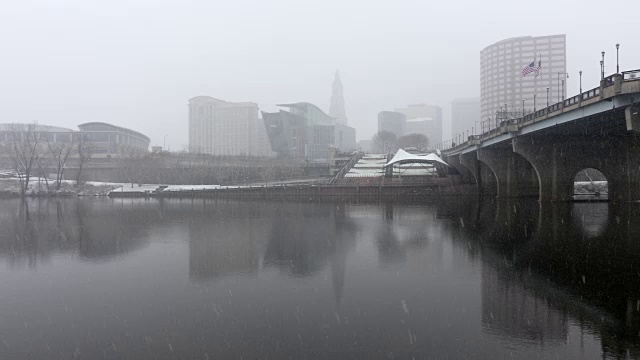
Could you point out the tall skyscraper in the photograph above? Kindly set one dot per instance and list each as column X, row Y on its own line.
column 465, row 115
column 337, row 109
column 503, row 87
column 219, row 127
column 423, row 119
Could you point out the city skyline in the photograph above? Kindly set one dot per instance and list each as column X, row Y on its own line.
column 165, row 60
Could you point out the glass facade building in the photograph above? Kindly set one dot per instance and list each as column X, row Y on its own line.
column 306, row 132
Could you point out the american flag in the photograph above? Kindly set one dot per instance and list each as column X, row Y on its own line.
column 529, row 69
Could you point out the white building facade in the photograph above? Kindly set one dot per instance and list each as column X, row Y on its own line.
column 222, row 128
column 503, row 86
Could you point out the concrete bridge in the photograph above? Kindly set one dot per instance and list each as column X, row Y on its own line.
column 540, row 153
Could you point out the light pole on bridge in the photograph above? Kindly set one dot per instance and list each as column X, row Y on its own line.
column 547, row 96
column 567, row 76
column 617, row 59
column 534, row 102
column 523, row 108
column 481, row 128
column 602, row 65
column 563, row 89
column 580, row 72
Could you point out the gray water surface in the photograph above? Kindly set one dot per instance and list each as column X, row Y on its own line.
column 206, row 279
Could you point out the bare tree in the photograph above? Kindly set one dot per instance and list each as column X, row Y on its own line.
column 60, row 152
column 132, row 167
column 414, row 140
column 24, row 151
column 84, row 148
column 43, row 161
column 385, row 141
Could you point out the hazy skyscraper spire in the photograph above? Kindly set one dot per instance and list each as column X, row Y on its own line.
column 337, row 109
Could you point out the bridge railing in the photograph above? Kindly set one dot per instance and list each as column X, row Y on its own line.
column 631, row 75
column 609, row 80
column 591, row 93
column 572, row 100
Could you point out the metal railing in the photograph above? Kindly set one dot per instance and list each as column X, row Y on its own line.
column 345, row 169
column 609, row 80
column 631, row 75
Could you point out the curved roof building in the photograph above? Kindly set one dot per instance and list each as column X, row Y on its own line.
column 105, row 138
column 114, row 140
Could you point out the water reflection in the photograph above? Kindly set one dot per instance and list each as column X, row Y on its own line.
column 558, row 262
column 480, row 277
column 35, row 230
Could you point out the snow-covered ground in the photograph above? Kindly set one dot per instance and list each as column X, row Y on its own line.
column 136, row 189
column 588, row 187
column 192, row 187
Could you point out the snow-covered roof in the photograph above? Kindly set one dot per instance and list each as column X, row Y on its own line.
column 403, row 157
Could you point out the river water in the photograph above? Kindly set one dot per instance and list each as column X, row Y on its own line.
column 204, row 279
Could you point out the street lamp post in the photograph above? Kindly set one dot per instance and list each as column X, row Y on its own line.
column 563, row 90
column 559, row 87
column 523, row 108
column 602, row 65
column 547, row 96
column 580, row 81
column 617, row 59
column 601, row 70
column 567, row 76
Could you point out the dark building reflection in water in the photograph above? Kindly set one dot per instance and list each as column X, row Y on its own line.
column 35, row 229
column 454, row 278
column 561, row 263
column 512, row 310
column 222, row 244
column 298, row 239
column 405, row 229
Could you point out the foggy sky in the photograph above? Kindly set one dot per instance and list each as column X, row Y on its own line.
column 136, row 63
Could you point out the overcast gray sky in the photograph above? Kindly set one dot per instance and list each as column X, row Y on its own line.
column 136, row 63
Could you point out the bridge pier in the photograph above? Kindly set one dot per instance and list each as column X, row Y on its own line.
column 467, row 176
column 514, row 174
column 558, row 159
column 471, row 163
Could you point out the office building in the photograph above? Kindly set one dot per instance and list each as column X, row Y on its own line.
column 306, row 132
column 423, row 119
column 103, row 139
column 504, row 85
column 465, row 116
column 223, row 128
column 392, row 122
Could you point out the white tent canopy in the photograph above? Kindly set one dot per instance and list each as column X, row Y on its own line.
column 403, row 157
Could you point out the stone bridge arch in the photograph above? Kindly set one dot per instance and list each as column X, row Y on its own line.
column 558, row 159
column 515, row 176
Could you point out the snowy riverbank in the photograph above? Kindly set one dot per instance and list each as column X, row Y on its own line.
column 11, row 188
